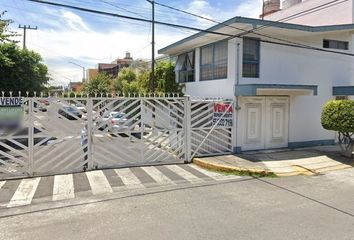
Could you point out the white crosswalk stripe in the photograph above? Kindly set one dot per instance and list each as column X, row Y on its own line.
column 128, row 178
column 98, row 182
column 24, row 192
column 63, row 187
column 184, row 174
column 157, row 175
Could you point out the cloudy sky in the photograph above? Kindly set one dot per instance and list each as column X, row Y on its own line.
column 65, row 35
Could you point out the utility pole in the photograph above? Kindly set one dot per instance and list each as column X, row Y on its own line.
column 25, row 27
column 152, row 81
column 83, row 70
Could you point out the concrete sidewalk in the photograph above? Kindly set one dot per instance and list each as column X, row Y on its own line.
column 285, row 162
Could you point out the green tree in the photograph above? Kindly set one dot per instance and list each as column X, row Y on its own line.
column 21, row 70
column 5, row 33
column 131, row 87
column 125, row 74
column 338, row 115
column 101, row 84
column 144, row 82
column 166, row 78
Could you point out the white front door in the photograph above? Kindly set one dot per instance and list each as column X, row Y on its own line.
column 277, row 119
column 264, row 122
column 253, row 115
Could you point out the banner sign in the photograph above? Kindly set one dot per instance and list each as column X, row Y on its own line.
column 11, row 101
column 223, row 111
column 11, row 111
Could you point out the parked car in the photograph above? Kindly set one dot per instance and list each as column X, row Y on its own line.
column 81, row 107
column 94, row 116
column 113, row 121
column 70, row 113
column 39, row 107
column 44, row 102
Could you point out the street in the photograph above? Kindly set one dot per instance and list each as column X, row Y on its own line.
column 319, row 207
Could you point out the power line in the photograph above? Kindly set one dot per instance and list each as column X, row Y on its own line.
column 128, row 17
column 124, row 9
column 230, row 36
column 296, row 15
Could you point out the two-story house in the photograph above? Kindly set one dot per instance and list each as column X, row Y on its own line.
column 279, row 75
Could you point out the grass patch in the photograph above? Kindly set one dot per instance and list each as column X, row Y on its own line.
column 244, row 173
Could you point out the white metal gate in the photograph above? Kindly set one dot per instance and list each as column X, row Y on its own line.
column 65, row 135
column 211, row 127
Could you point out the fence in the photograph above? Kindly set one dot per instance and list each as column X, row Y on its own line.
column 65, row 135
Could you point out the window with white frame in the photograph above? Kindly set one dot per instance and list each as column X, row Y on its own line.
column 334, row 44
column 213, row 61
column 251, row 58
column 185, row 67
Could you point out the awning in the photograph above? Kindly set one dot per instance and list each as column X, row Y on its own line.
column 275, row 90
column 343, row 91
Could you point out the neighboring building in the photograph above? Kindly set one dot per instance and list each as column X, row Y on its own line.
column 109, row 68
column 280, row 87
column 310, row 12
column 114, row 67
column 91, row 73
column 56, row 90
column 75, row 86
column 124, row 62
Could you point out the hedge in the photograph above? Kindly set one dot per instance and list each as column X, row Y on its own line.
column 338, row 115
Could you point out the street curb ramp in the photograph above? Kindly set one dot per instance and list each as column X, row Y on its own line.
column 231, row 169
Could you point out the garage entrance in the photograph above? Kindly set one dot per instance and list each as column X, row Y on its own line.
column 55, row 135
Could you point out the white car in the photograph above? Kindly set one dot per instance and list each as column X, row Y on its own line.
column 94, row 116
column 112, row 121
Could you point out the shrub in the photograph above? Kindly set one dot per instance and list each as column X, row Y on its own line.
column 338, row 115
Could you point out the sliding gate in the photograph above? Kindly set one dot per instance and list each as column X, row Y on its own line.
column 65, row 135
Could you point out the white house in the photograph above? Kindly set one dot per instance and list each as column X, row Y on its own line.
column 310, row 12
column 280, row 76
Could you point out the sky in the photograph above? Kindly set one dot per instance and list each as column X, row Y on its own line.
column 65, row 35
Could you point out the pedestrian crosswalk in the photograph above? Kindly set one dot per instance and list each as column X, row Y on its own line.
column 14, row 193
column 63, row 187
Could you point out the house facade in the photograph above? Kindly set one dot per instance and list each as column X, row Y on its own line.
column 280, row 77
column 310, row 12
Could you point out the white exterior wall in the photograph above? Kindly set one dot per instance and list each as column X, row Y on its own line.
column 288, row 65
column 292, row 66
column 214, row 88
column 341, row 13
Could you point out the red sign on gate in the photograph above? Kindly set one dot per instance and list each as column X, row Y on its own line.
column 223, row 107
column 222, row 115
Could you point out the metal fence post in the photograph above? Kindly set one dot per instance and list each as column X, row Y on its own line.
column 90, row 133
column 30, row 137
column 142, row 128
column 234, row 126
column 187, row 128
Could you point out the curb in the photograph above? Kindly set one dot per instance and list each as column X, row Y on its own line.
column 298, row 169
column 229, row 169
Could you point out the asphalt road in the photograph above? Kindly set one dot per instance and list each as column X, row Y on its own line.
column 301, row 207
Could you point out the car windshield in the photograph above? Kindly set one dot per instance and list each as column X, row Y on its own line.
column 70, row 109
column 113, row 115
column 118, row 115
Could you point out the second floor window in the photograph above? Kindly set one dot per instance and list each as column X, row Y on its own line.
column 213, row 61
column 185, row 67
column 334, row 44
column 250, row 66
